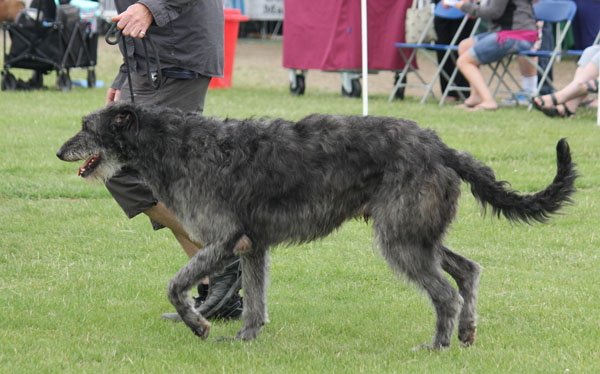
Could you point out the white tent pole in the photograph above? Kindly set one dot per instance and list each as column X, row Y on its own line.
column 365, row 59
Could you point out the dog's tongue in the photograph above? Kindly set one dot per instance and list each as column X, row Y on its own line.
column 88, row 164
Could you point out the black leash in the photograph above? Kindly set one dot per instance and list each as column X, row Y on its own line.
column 114, row 32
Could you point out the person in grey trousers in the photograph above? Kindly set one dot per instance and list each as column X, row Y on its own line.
column 188, row 36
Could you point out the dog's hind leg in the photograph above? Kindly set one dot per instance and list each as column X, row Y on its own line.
column 466, row 273
column 255, row 275
column 209, row 260
column 422, row 265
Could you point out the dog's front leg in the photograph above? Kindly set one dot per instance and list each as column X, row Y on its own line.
column 255, row 277
column 209, row 260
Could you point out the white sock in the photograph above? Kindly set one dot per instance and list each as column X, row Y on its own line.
column 529, row 83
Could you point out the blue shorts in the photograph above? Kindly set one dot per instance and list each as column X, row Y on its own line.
column 487, row 48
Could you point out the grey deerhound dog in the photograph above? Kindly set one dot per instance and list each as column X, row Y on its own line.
column 243, row 186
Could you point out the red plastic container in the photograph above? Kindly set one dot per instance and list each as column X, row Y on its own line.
column 233, row 17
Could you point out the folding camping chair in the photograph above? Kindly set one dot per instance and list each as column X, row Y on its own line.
column 579, row 52
column 430, row 49
column 560, row 13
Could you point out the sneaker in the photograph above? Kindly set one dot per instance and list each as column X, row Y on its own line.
column 222, row 300
column 519, row 99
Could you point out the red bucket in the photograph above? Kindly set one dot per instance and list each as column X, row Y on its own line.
column 233, row 17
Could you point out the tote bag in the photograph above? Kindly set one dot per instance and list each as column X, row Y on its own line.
column 417, row 19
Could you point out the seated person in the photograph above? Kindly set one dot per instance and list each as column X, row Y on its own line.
column 564, row 103
column 512, row 28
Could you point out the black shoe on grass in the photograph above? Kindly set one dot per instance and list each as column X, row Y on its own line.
column 222, row 299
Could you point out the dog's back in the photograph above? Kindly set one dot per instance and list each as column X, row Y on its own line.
column 318, row 172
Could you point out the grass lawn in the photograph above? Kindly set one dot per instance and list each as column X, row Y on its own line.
column 82, row 288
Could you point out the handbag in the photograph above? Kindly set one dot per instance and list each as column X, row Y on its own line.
column 417, row 19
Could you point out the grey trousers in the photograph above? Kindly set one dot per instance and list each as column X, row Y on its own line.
column 128, row 187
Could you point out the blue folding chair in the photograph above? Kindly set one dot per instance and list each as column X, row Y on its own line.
column 431, row 49
column 559, row 12
column 579, row 52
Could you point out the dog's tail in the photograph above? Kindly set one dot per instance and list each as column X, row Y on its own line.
column 514, row 205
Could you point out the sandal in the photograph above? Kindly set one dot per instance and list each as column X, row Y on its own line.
column 591, row 85
column 553, row 111
column 541, row 106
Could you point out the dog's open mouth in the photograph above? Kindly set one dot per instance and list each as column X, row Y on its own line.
column 89, row 165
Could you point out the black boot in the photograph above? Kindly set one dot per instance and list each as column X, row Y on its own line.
column 220, row 299
column 202, row 295
column 224, row 300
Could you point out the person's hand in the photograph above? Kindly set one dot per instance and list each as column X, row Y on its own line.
column 134, row 21
column 451, row 3
column 112, row 95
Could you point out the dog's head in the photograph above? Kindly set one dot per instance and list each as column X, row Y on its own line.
column 104, row 141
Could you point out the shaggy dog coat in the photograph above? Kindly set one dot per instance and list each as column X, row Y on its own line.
column 243, row 186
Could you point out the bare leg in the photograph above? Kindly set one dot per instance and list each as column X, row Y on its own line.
column 474, row 97
column 479, row 89
column 526, row 68
column 574, row 92
column 161, row 214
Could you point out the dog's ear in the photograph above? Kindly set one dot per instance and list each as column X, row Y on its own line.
column 126, row 119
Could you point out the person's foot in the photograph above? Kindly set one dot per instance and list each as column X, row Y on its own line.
column 469, row 103
column 552, row 108
column 545, row 101
column 560, row 110
column 518, row 99
column 483, row 107
column 222, row 300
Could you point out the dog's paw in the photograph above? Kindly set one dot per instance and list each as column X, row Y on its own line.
column 429, row 347
column 199, row 326
column 247, row 333
column 466, row 333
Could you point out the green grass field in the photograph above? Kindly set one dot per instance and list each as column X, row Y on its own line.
column 82, row 288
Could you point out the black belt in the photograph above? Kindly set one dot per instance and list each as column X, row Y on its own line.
column 179, row 73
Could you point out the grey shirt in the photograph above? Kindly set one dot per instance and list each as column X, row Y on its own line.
column 504, row 14
column 187, row 33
